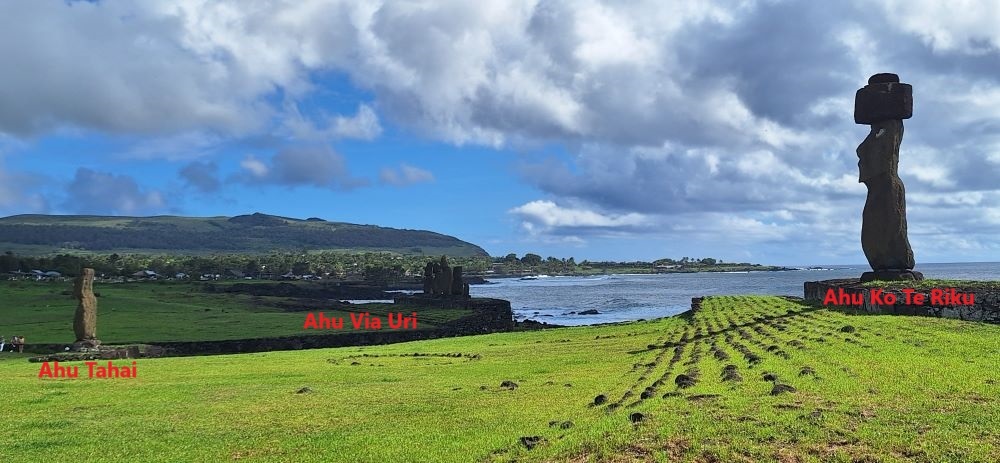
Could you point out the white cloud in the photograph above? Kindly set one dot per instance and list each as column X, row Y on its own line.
column 547, row 216
column 404, row 176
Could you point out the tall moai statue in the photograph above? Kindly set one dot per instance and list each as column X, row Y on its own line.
column 883, row 104
column 85, row 319
column 456, row 281
column 444, row 285
column 429, row 278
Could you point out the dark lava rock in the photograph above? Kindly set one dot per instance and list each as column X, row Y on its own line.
column 600, row 400
column 566, row 425
column 649, row 392
column 355, row 363
column 636, row 417
column 589, row 312
column 770, row 377
column 304, row 390
column 685, row 381
column 721, row 355
column 530, row 442
column 672, row 394
column 848, row 329
column 509, row 385
column 807, row 371
column 483, row 388
column 883, row 78
column 781, row 389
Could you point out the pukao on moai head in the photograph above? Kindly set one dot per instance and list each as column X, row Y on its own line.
column 883, row 104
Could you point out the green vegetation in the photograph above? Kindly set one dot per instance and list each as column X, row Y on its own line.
column 164, row 311
column 865, row 388
column 931, row 283
column 256, row 233
column 532, row 264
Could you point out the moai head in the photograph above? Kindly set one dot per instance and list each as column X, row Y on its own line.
column 883, row 99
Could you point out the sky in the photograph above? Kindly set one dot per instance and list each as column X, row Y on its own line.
column 598, row 130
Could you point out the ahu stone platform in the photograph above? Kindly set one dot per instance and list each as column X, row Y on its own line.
column 986, row 307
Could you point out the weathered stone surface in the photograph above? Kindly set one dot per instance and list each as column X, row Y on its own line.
column 883, row 227
column 85, row 319
column 882, row 102
column 882, row 78
column 986, row 307
column 456, row 281
column 429, row 278
column 444, row 279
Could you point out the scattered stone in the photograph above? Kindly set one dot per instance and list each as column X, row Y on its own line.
column 721, row 355
column 636, row 417
column 848, row 329
column 697, row 397
column 600, row 400
column 304, row 390
column 509, row 385
column 589, row 312
column 770, row 377
column 483, row 388
column 355, row 363
column 807, row 371
column 553, row 423
column 531, row 442
column 566, row 425
column 672, row 394
column 781, row 389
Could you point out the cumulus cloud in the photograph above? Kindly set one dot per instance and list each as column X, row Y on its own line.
column 318, row 166
column 92, row 192
column 202, row 176
column 548, row 217
column 19, row 193
column 699, row 106
column 405, row 175
column 363, row 125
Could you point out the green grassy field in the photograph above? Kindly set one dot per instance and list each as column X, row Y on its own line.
column 42, row 312
column 865, row 389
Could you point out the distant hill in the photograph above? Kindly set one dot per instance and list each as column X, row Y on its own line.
column 254, row 233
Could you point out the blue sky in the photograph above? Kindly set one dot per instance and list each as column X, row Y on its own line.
column 598, row 130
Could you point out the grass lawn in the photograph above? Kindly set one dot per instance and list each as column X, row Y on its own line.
column 862, row 388
column 42, row 312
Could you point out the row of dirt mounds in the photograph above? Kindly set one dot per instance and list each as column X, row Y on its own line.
column 725, row 341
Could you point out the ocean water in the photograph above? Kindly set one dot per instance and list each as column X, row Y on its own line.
column 633, row 297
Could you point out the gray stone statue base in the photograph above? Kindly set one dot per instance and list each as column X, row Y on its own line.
column 891, row 275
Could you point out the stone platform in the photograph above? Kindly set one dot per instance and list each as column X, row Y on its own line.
column 985, row 309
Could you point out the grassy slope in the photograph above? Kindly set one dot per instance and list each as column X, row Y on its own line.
column 408, row 239
column 151, row 312
column 896, row 389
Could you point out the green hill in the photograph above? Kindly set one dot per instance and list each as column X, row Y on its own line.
column 255, row 233
column 744, row 379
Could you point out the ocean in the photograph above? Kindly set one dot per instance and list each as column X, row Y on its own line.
column 633, row 297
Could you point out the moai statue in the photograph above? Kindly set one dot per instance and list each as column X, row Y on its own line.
column 883, row 104
column 436, row 277
column 85, row 319
column 445, row 283
column 429, row 278
column 456, row 281
column 465, row 289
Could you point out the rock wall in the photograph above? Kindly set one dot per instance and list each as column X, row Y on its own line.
column 986, row 308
